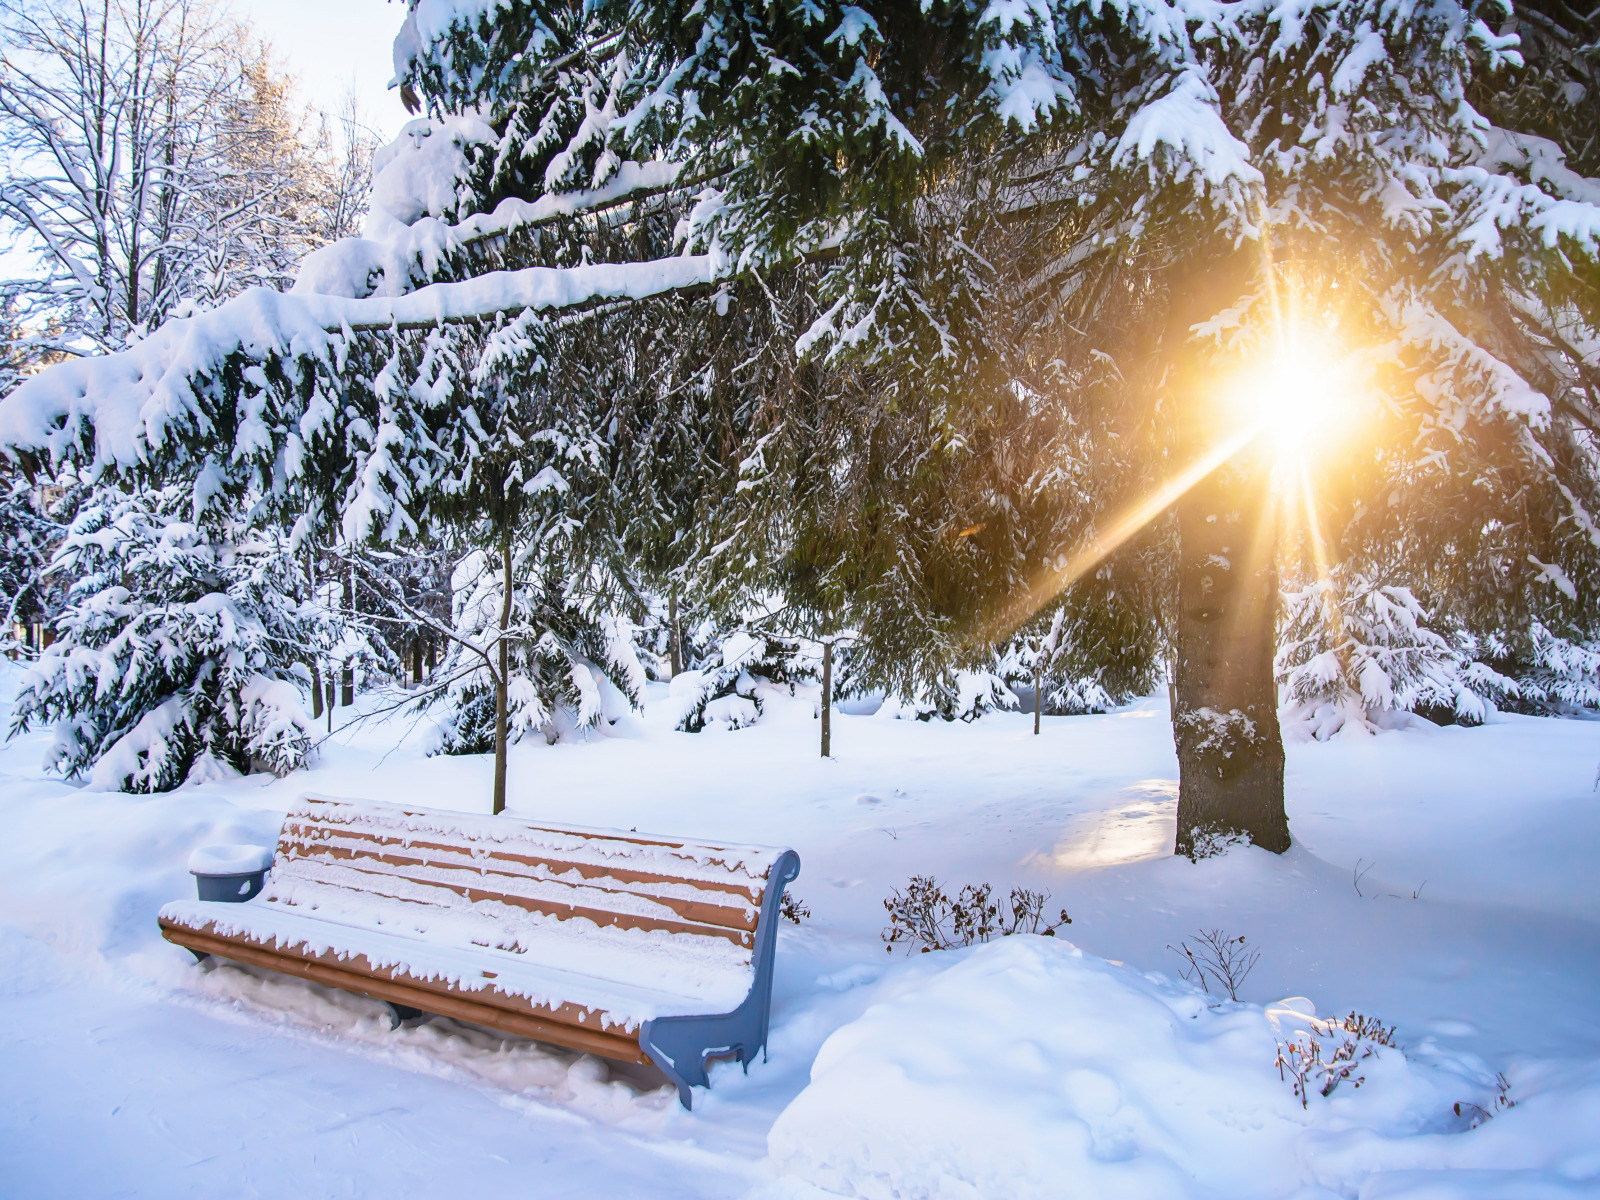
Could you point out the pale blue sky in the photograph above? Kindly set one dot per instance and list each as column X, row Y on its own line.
column 332, row 45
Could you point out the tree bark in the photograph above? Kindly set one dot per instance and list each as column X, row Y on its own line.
column 500, row 684
column 1038, row 697
column 676, row 633
column 1230, row 750
column 316, row 669
column 827, row 697
column 347, row 675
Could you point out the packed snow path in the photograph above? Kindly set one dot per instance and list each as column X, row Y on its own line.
column 134, row 1073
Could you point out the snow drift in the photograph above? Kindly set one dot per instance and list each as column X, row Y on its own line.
column 1027, row 1069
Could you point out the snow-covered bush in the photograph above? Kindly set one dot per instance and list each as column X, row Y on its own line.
column 177, row 655
column 1349, row 655
column 28, row 533
column 720, row 693
column 1080, row 651
column 567, row 660
column 1556, row 674
column 955, row 695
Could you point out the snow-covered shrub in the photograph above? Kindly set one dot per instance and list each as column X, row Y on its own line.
column 27, row 536
column 955, row 695
column 177, row 655
column 1085, row 670
column 566, row 658
column 720, row 693
column 1350, row 654
column 1554, row 673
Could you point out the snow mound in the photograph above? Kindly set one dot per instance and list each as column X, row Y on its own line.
column 1029, row 1069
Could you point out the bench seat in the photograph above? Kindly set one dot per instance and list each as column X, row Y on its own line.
column 638, row 948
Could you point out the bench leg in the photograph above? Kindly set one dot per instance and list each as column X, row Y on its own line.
column 402, row 1012
column 199, row 955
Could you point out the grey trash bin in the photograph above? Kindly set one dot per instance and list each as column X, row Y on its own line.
column 230, row 874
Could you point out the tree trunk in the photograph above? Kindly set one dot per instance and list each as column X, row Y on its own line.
column 416, row 661
column 676, row 633
column 316, row 668
column 827, row 697
column 500, row 685
column 1038, row 697
column 347, row 674
column 1230, row 751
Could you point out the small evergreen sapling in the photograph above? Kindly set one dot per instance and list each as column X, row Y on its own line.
column 1352, row 651
column 721, row 692
column 178, row 648
column 570, row 663
column 29, row 532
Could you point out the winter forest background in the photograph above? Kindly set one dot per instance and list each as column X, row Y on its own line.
column 725, row 343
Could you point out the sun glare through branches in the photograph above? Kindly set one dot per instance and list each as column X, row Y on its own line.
column 1300, row 396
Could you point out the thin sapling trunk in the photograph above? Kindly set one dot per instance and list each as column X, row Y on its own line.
column 676, row 639
column 827, row 697
column 500, row 684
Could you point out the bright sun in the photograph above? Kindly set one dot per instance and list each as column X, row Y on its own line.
column 1298, row 396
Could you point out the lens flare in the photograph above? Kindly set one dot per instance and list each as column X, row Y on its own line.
column 1298, row 396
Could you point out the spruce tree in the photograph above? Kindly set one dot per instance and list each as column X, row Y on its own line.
column 1023, row 257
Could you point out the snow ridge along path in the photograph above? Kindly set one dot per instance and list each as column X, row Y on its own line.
column 135, row 1073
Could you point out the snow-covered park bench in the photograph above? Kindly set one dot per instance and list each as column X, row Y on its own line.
column 636, row 948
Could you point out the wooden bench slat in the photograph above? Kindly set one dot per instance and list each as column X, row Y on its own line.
column 307, row 835
column 683, row 860
column 742, row 914
column 511, row 1014
column 550, row 908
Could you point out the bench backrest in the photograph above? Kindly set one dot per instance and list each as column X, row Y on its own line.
column 624, row 879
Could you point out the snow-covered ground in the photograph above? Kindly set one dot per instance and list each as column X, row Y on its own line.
column 1442, row 880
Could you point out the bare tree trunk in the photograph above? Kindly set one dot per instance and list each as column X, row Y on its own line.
column 416, row 661
column 316, row 667
column 347, row 674
column 1230, row 751
column 676, row 633
column 827, row 697
column 500, row 685
column 1038, row 697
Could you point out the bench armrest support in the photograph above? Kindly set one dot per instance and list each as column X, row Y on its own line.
column 682, row 1046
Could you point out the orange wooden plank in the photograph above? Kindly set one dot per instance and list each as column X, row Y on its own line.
column 567, row 1026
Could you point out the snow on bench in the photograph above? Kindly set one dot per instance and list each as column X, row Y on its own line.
column 638, row 948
